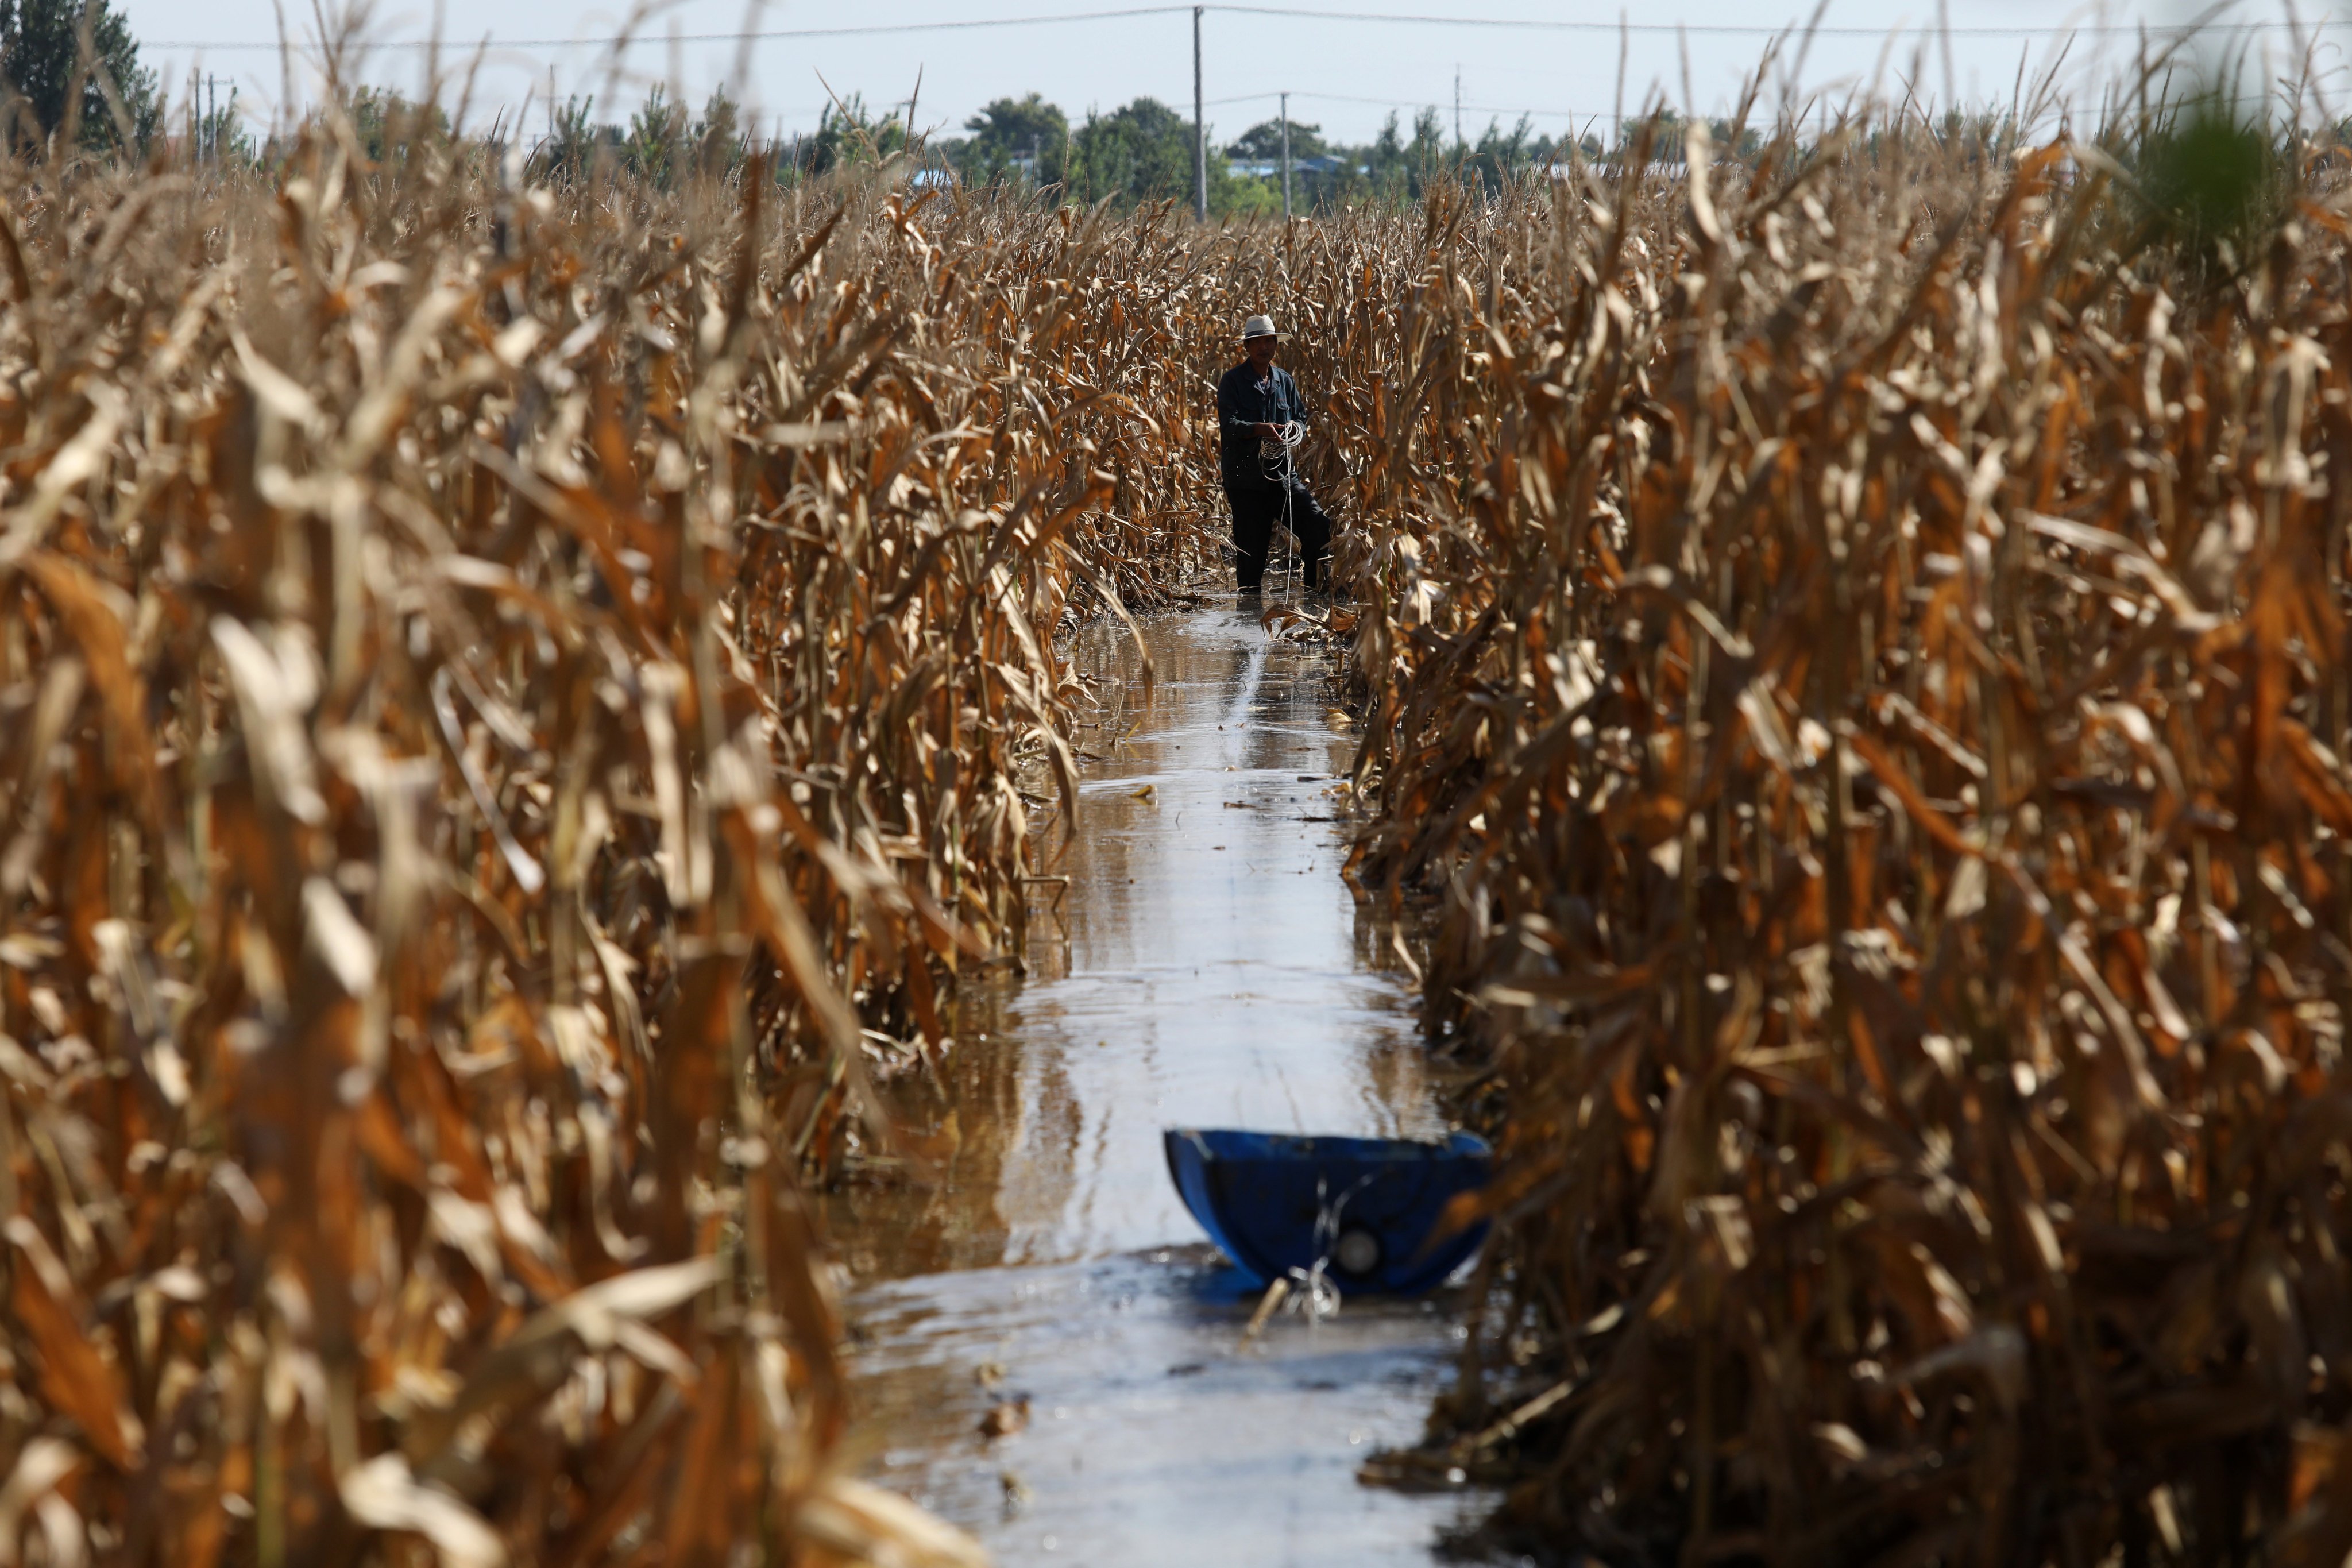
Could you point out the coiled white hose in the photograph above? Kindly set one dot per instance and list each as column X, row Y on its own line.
column 1278, row 460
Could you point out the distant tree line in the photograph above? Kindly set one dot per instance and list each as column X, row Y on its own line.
column 70, row 78
column 1143, row 152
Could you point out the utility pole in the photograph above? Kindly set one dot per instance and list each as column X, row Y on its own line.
column 1457, row 107
column 209, row 148
column 1286, row 156
column 1200, row 130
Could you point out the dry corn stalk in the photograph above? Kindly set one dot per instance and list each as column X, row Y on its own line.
column 1857, row 661
column 505, row 695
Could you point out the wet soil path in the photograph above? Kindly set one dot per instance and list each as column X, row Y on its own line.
column 1204, row 966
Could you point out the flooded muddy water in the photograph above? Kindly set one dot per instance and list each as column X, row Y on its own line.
column 1205, row 965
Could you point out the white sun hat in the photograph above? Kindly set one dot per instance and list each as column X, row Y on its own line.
column 1258, row 327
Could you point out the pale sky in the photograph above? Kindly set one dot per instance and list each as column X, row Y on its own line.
column 1344, row 75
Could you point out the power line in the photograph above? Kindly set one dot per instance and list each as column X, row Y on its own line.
column 961, row 25
column 1400, row 18
column 1407, row 103
column 1755, row 30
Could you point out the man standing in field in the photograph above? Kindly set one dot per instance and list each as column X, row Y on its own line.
column 1260, row 417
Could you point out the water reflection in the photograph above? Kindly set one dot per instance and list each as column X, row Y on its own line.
column 1205, row 964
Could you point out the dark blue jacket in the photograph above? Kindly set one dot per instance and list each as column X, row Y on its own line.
column 1242, row 401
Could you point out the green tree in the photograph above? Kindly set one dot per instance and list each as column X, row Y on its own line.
column 718, row 139
column 569, row 153
column 1398, row 171
column 1010, row 129
column 222, row 136
column 1497, row 157
column 386, row 124
column 1665, row 138
column 1750, row 139
column 1264, row 141
column 653, row 146
column 848, row 133
column 1142, row 152
column 60, row 63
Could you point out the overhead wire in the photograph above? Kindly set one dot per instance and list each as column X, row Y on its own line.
column 1401, row 103
column 1301, row 13
column 1753, row 29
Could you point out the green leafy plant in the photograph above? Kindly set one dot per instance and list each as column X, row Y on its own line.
column 2210, row 174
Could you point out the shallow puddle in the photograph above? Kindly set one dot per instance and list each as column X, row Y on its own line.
column 1205, row 965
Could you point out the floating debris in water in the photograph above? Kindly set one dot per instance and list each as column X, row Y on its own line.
column 1005, row 1419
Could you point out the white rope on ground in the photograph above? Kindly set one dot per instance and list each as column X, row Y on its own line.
column 1278, row 462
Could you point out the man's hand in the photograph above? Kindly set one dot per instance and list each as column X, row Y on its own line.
column 1265, row 432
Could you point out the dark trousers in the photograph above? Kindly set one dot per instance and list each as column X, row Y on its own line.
column 1257, row 510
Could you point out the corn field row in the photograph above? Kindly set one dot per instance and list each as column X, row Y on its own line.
column 516, row 705
column 1854, row 654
